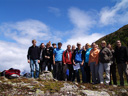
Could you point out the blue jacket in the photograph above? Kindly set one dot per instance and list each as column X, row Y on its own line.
column 87, row 55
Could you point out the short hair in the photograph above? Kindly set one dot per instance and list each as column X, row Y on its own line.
column 87, row 44
column 53, row 44
column 59, row 43
column 33, row 40
column 78, row 43
column 69, row 45
column 104, row 42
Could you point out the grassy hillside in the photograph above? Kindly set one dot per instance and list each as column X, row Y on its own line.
column 121, row 34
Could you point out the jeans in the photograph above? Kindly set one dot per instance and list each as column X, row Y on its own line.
column 59, row 70
column 121, row 70
column 94, row 71
column 106, row 67
column 87, row 73
column 32, row 64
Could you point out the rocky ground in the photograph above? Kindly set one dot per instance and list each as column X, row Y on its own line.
column 47, row 86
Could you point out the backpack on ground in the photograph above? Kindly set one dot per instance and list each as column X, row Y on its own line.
column 12, row 73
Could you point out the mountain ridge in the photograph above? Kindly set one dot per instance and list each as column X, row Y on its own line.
column 120, row 34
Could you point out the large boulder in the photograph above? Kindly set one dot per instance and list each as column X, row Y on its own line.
column 46, row 75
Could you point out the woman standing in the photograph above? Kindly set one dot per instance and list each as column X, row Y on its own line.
column 48, row 57
column 87, row 68
column 93, row 63
column 104, row 59
column 112, row 67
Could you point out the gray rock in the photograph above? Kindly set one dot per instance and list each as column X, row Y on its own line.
column 39, row 92
column 123, row 90
column 83, row 87
column 46, row 75
column 94, row 93
column 67, row 87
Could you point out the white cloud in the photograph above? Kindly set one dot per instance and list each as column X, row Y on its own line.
column 55, row 11
column 24, row 31
column 116, row 14
column 81, row 19
column 14, row 53
column 13, row 56
column 83, row 39
column 83, row 22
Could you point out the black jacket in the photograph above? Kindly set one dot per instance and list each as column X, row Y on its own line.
column 33, row 53
column 48, row 52
column 121, row 54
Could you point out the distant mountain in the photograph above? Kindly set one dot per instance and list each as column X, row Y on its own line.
column 121, row 34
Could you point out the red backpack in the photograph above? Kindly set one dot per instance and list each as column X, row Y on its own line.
column 12, row 73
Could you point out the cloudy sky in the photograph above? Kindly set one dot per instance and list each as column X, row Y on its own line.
column 68, row 21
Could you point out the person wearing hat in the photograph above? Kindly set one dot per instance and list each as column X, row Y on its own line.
column 57, row 61
column 105, row 57
column 78, row 61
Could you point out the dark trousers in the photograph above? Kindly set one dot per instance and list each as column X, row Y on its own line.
column 59, row 70
column 54, row 70
column 70, row 68
column 76, row 74
column 87, row 73
column 41, row 66
column 113, row 73
column 122, row 69
column 48, row 64
column 82, row 68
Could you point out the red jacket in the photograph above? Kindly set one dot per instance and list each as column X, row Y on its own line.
column 67, row 57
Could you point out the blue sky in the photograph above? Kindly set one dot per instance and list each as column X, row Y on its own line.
column 68, row 21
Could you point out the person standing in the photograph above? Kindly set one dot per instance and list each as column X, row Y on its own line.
column 112, row 67
column 57, row 60
column 78, row 61
column 67, row 61
column 42, row 59
column 87, row 68
column 33, row 57
column 105, row 56
column 93, row 63
column 48, row 57
column 121, row 55
column 54, row 66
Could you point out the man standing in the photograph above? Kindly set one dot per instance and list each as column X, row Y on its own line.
column 121, row 55
column 54, row 66
column 42, row 59
column 34, row 59
column 67, row 61
column 57, row 60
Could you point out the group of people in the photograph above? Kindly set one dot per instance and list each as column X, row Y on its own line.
column 90, row 60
